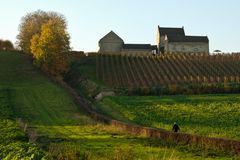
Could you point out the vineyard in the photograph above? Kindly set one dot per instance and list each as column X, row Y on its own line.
column 168, row 70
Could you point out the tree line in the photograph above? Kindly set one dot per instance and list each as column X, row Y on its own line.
column 44, row 36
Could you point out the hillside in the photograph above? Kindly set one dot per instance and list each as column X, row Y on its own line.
column 13, row 142
column 36, row 98
column 64, row 131
column 215, row 115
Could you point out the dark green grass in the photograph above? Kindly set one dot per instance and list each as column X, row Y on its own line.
column 210, row 115
column 85, row 68
column 64, row 130
column 13, row 142
column 36, row 98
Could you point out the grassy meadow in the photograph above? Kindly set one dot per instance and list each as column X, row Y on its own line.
column 13, row 142
column 209, row 115
column 64, row 131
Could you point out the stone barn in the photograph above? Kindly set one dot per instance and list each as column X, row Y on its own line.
column 112, row 43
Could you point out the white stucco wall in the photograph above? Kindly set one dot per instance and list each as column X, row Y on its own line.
column 158, row 38
column 191, row 47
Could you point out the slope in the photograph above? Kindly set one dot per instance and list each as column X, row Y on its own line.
column 64, row 130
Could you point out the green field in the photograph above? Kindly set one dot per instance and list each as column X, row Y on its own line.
column 210, row 115
column 64, row 130
column 13, row 142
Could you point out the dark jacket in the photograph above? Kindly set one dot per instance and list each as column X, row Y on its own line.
column 175, row 128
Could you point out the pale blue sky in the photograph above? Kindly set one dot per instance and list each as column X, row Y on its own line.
column 134, row 20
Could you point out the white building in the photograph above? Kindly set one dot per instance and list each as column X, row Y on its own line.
column 175, row 40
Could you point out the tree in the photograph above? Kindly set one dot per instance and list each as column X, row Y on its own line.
column 50, row 48
column 44, row 36
column 31, row 24
column 6, row 45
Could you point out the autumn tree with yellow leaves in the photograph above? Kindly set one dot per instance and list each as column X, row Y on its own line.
column 50, row 47
column 29, row 26
column 44, row 36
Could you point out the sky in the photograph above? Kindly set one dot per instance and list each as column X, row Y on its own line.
column 135, row 21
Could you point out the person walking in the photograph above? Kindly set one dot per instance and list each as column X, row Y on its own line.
column 175, row 127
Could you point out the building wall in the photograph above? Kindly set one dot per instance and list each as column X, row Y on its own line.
column 136, row 50
column 158, row 39
column 110, row 47
column 110, row 43
column 136, row 53
column 188, row 47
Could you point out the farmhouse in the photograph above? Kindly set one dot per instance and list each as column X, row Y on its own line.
column 114, row 44
column 168, row 40
column 175, row 40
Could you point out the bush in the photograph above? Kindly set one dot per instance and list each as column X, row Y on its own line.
column 14, row 144
column 6, row 45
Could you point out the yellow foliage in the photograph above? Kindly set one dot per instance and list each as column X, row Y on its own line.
column 29, row 26
column 51, row 47
column 35, row 47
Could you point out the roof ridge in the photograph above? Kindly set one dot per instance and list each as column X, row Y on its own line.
column 111, row 32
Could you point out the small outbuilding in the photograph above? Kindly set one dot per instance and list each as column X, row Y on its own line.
column 111, row 42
